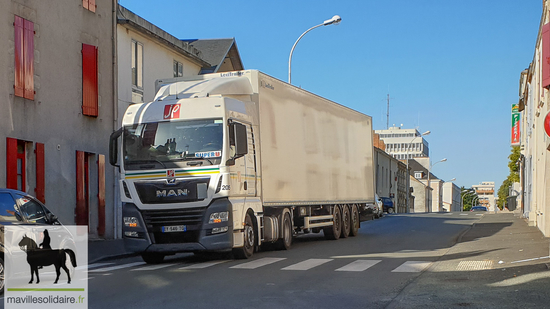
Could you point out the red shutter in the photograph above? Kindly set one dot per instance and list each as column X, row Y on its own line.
column 28, row 48
column 40, row 173
column 91, row 6
column 85, row 4
column 89, row 80
column 19, row 57
column 11, row 163
column 546, row 55
column 101, row 195
column 81, row 213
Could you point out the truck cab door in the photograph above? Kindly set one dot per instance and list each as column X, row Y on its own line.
column 250, row 159
column 238, row 171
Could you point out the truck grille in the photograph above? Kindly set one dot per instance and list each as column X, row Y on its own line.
column 192, row 218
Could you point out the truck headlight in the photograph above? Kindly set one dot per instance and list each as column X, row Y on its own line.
column 219, row 217
column 130, row 221
column 218, row 230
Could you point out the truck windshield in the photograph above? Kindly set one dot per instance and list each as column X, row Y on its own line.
column 161, row 145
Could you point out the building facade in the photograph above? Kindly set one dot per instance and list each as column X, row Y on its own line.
column 59, row 106
column 486, row 194
column 404, row 143
column 452, row 200
column 390, row 179
column 534, row 107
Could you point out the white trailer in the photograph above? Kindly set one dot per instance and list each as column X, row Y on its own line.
column 231, row 161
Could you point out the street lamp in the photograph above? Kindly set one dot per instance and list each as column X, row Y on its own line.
column 409, row 176
column 334, row 20
column 465, row 192
column 474, row 200
column 429, row 187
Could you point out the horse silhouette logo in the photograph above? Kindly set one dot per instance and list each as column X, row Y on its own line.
column 38, row 257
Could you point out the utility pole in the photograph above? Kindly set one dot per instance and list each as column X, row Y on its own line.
column 388, row 114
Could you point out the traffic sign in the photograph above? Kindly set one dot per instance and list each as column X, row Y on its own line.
column 547, row 124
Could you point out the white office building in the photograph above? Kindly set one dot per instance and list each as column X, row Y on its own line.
column 486, row 194
column 403, row 143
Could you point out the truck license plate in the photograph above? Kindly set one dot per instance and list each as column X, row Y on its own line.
column 174, row 228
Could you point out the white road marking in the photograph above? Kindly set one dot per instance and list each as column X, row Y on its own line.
column 359, row 265
column 92, row 266
column 307, row 264
column 105, row 269
column 153, row 267
column 412, row 267
column 258, row 263
column 202, row 265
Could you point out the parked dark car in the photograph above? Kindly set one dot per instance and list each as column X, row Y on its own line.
column 479, row 208
column 388, row 205
column 20, row 208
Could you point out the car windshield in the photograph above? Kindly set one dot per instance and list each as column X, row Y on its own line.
column 173, row 144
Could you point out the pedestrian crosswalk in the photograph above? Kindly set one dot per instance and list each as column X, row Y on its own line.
column 286, row 265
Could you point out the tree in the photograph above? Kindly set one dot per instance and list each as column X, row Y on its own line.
column 513, row 177
column 466, row 194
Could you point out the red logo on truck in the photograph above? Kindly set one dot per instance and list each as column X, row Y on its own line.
column 172, row 111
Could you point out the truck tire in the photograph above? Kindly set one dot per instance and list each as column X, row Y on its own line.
column 333, row 232
column 390, row 210
column 286, row 241
column 152, row 258
column 249, row 240
column 354, row 221
column 346, row 221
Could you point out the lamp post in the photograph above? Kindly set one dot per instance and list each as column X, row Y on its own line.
column 429, row 187
column 474, row 200
column 465, row 192
column 334, row 20
column 409, row 176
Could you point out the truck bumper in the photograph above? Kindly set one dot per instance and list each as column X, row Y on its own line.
column 150, row 235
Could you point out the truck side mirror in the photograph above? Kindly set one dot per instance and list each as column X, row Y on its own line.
column 113, row 147
column 241, row 140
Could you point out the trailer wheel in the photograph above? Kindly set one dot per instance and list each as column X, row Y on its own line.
column 249, row 240
column 354, row 220
column 346, row 221
column 285, row 242
column 333, row 232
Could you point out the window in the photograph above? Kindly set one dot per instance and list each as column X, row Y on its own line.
column 137, row 72
column 24, row 58
column 89, row 80
column 178, row 69
column 89, row 5
column 8, row 209
column 32, row 210
column 16, row 166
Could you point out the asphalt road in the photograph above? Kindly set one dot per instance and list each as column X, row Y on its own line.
column 366, row 271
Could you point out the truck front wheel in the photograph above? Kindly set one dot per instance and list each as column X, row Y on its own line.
column 249, row 240
column 333, row 232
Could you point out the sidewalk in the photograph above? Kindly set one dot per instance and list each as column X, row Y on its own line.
column 500, row 262
column 99, row 250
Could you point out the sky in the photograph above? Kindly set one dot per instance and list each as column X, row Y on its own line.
column 450, row 67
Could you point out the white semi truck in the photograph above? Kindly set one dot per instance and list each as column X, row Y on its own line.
column 231, row 161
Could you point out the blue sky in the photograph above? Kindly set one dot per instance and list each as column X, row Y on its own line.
column 451, row 67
